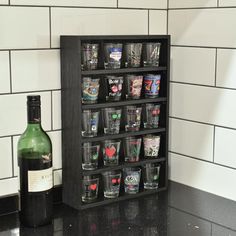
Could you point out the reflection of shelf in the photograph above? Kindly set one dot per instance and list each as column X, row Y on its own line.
column 122, row 135
column 123, row 103
column 124, row 70
column 122, row 197
column 123, row 165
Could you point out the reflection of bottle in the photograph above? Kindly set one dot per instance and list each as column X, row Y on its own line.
column 35, row 163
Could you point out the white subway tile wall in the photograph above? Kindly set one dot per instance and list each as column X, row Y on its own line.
column 74, row 21
column 71, row 3
column 160, row 4
column 3, row 2
column 188, row 60
column 156, row 25
column 30, row 61
column 192, row 3
column 202, row 110
column 4, row 72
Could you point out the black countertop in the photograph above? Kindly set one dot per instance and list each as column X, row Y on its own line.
column 181, row 211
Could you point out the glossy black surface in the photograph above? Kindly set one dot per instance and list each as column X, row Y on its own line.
column 181, row 211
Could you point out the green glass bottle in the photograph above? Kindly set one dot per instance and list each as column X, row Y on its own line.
column 35, row 165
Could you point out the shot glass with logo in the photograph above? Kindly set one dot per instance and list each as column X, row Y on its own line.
column 133, row 118
column 111, row 184
column 132, row 179
column 90, row 154
column 151, row 146
column 113, row 55
column 133, row 86
column 89, row 189
column 151, row 56
column 90, row 90
column 133, row 53
column 111, row 150
column 89, row 56
column 114, row 86
column 132, row 147
column 152, row 115
column 152, row 85
column 151, row 173
column 111, row 117
column 90, row 119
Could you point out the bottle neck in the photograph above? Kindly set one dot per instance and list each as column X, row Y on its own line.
column 34, row 115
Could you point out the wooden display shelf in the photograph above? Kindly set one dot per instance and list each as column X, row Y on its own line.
column 72, row 108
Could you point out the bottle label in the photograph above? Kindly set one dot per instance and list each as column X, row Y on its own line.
column 40, row 180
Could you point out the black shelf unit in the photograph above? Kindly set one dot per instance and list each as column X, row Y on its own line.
column 72, row 107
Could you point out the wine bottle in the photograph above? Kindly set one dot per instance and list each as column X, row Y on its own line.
column 35, row 169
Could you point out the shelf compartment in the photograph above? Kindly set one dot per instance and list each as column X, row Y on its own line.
column 123, row 165
column 124, row 70
column 122, row 135
column 123, row 103
column 104, row 201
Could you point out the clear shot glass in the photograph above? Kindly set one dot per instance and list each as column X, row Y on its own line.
column 151, row 56
column 114, row 87
column 151, row 173
column 152, row 85
column 133, row 53
column 151, row 146
column 152, row 115
column 132, row 179
column 89, row 56
column 111, row 120
column 90, row 90
column 90, row 154
column 133, row 118
column 90, row 119
column 89, row 189
column 113, row 55
column 133, row 86
column 111, row 150
column 132, row 147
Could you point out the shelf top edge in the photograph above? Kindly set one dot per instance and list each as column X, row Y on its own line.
column 104, row 37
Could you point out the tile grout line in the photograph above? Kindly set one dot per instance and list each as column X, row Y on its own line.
column 52, row 110
column 12, row 156
column 167, row 18
column 214, row 138
column 148, row 21
column 50, row 28
column 216, row 66
column 10, row 71
column 218, row 3
column 209, row 47
column 117, row 3
column 201, row 85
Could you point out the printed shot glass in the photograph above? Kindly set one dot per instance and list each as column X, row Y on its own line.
column 113, row 55
column 132, row 147
column 111, row 184
column 133, row 118
column 133, row 53
column 89, row 189
column 89, row 56
column 90, row 90
column 152, row 115
column 152, row 85
column 111, row 117
column 132, row 179
column 133, row 86
column 90, row 154
column 111, row 150
column 151, row 146
column 151, row 173
column 114, row 87
column 151, row 56
column 90, row 119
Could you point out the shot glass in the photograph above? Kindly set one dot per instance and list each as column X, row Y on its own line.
column 152, row 85
column 151, row 56
column 133, row 86
column 132, row 179
column 89, row 56
column 111, row 117
column 133, row 53
column 151, row 176
column 90, row 90
column 90, row 119
column 132, row 147
column 152, row 115
column 133, row 118
column 113, row 55
column 111, row 184
column 111, row 150
column 151, row 146
column 89, row 189
column 90, row 154
column 114, row 85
